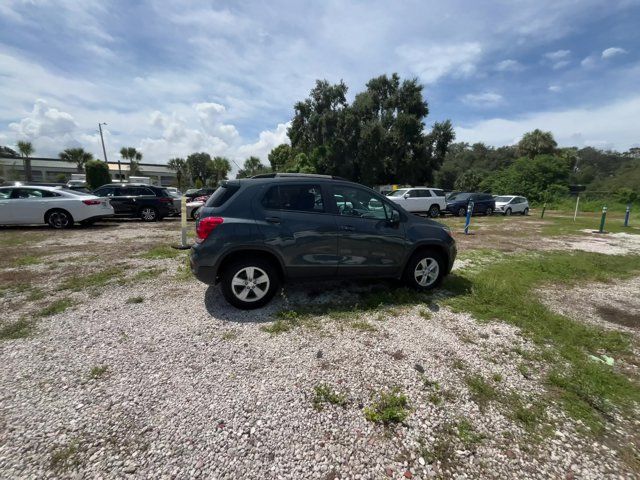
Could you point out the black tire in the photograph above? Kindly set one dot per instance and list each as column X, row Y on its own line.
column 507, row 212
column 488, row 212
column 434, row 211
column 525, row 212
column 410, row 276
column 462, row 211
column 149, row 214
column 59, row 219
column 237, row 270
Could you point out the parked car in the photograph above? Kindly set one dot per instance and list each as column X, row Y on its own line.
column 58, row 207
column 198, row 192
column 254, row 233
column 147, row 202
column 193, row 208
column 508, row 204
column 420, row 200
column 458, row 202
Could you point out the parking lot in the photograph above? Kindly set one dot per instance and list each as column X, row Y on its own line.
column 118, row 363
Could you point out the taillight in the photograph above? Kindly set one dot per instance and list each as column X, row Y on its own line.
column 165, row 200
column 205, row 226
column 92, row 202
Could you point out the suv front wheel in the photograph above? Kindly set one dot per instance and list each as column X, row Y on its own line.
column 425, row 270
column 249, row 284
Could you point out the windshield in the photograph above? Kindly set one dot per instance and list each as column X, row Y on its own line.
column 398, row 193
column 459, row 196
column 503, row 199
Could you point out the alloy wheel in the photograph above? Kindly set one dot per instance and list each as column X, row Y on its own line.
column 250, row 284
column 426, row 271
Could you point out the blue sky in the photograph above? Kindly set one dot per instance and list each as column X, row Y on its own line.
column 171, row 78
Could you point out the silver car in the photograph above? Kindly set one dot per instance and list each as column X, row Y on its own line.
column 509, row 204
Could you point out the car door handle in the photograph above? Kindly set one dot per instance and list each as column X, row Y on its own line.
column 273, row 219
column 347, row 228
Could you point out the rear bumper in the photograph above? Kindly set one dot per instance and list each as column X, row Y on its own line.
column 204, row 273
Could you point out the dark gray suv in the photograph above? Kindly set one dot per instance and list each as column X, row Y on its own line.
column 255, row 233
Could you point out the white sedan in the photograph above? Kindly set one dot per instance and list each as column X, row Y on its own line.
column 55, row 206
column 508, row 204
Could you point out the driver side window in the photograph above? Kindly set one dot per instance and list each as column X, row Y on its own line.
column 354, row 202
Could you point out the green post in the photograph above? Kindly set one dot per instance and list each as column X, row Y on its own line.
column 544, row 207
column 604, row 216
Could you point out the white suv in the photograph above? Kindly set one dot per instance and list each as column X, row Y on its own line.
column 508, row 204
column 420, row 200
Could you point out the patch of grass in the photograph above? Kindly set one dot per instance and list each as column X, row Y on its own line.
column 184, row 274
column 19, row 329
column 147, row 274
column 93, row 280
column 563, row 225
column 56, row 307
column 324, row 394
column 442, row 451
column 229, row 335
column 65, row 457
column 425, row 313
column 467, row 434
column 98, row 371
column 459, row 364
column 482, row 392
column 388, row 407
column 27, row 260
column 35, row 294
column 279, row 326
column 137, row 299
column 497, row 377
column 530, row 415
column 363, row 326
column 524, row 370
column 160, row 252
column 503, row 290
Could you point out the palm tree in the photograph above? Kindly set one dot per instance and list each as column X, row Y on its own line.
column 252, row 166
column 536, row 142
column 178, row 165
column 134, row 157
column 77, row 156
column 26, row 150
column 220, row 168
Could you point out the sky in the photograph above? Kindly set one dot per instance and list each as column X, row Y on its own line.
column 175, row 77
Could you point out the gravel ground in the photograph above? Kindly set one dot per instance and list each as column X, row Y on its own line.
column 180, row 385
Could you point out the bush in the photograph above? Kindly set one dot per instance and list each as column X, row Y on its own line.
column 97, row 173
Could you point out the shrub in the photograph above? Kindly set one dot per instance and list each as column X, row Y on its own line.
column 97, row 173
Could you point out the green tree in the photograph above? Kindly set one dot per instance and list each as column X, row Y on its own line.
column 252, row 166
column 281, row 157
column 97, row 173
column 26, row 150
column 198, row 165
column 134, row 157
column 76, row 155
column 536, row 143
column 218, row 170
column 178, row 165
column 468, row 181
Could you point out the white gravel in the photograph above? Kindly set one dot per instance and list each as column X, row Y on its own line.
column 194, row 388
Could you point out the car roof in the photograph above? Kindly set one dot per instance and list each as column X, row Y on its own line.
column 42, row 187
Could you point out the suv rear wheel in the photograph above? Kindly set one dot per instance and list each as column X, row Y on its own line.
column 434, row 211
column 249, row 284
column 425, row 270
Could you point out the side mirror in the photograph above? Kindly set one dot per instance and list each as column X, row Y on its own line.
column 405, row 196
column 395, row 217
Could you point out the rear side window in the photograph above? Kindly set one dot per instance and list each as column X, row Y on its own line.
column 424, row 193
column 438, row 193
column 300, row 198
column 221, row 195
column 6, row 193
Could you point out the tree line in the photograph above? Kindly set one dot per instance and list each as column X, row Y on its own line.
column 380, row 138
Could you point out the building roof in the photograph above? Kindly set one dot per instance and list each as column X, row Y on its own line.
column 113, row 166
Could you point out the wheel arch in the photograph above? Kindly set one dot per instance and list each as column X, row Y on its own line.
column 441, row 249
column 242, row 253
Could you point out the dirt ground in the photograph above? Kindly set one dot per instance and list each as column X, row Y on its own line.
column 130, row 368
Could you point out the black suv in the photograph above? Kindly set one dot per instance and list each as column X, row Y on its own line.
column 457, row 203
column 254, row 233
column 199, row 192
column 138, row 200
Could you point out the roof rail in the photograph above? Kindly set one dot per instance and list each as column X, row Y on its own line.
column 304, row 175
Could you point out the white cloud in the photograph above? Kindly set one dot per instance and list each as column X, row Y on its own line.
column 267, row 140
column 614, row 125
column 431, row 63
column 509, row 66
column 44, row 121
column 558, row 59
column 485, row 99
column 589, row 62
column 613, row 52
column 555, row 88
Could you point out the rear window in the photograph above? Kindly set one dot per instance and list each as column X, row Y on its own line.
column 221, row 195
column 460, row 196
column 76, row 192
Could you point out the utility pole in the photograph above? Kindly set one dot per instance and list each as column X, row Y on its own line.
column 104, row 150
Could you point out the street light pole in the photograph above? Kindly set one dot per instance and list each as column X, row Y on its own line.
column 104, row 151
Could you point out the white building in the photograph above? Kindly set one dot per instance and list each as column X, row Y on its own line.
column 56, row 170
